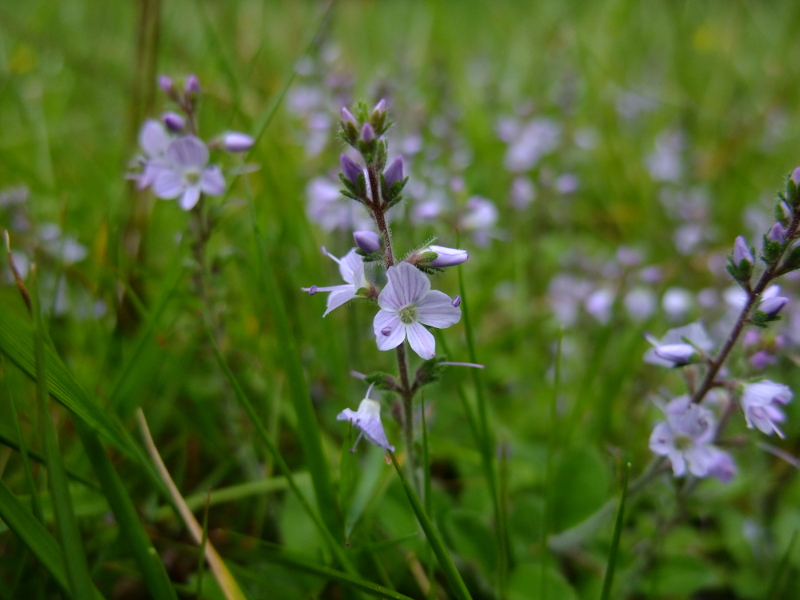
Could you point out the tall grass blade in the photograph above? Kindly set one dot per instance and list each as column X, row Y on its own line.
column 612, row 555
column 457, row 586
column 775, row 586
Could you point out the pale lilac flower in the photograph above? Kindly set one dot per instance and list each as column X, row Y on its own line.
column 445, row 257
column 741, row 252
column 154, row 141
column 367, row 241
column 599, row 304
column 523, row 192
column 351, row 267
column 192, row 85
column 566, row 184
column 187, row 173
column 407, row 303
column 721, row 465
column 677, row 302
column 685, row 439
column 760, row 403
column 235, row 141
column 480, row 218
column 534, row 141
column 640, row 303
column 664, row 164
column 761, row 359
column 327, row 209
column 672, row 351
column 777, row 233
column 368, row 419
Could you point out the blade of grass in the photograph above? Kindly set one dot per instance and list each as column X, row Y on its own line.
column 335, row 548
column 69, row 535
column 275, row 554
column 457, row 586
column 38, row 540
column 227, row 583
column 426, row 488
column 200, row 561
column 775, row 585
column 612, row 555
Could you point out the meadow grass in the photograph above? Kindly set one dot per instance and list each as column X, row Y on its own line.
column 525, row 460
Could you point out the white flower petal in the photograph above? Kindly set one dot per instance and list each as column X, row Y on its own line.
column 421, row 340
column 340, row 294
column 406, row 286
column 349, row 266
column 662, row 441
column 397, row 332
column 168, row 184
column 436, row 309
column 154, row 139
column 189, row 152
column 211, row 181
column 190, row 198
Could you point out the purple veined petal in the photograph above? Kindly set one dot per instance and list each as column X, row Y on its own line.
column 373, row 431
column 421, row 340
column 212, row 181
column 349, row 266
column 340, row 295
column 397, row 332
column 407, row 285
column 168, row 184
column 154, row 139
column 150, row 171
column 188, row 152
column 436, row 309
column 662, row 441
column 678, row 462
column 190, row 197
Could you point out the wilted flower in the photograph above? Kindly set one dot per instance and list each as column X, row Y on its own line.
column 407, row 304
column 368, row 419
column 351, row 268
column 760, row 403
column 186, row 173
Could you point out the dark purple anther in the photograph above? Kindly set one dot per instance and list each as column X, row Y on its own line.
column 456, row 301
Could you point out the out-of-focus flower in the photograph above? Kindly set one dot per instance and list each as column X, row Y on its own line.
column 480, row 218
column 235, row 141
column 154, row 141
column 760, row 403
column 672, row 346
column 407, row 304
column 664, row 163
column 351, row 267
column 187, row 174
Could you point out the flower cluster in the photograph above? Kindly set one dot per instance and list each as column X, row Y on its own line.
column 175, row 161
column 686, row 437
column 406, row 304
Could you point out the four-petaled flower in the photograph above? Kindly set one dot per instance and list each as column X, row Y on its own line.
column 760, row 402
column 685, row 439
column 185, row 172
column 352, row 269
column 368, row 419
column 407, row 304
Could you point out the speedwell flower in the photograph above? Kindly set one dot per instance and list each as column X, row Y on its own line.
column 673, row 350
column 154, row 140
column 407, row 304
column 761, row 401
column 351, row 268
column 368, row 419
column 186, row 173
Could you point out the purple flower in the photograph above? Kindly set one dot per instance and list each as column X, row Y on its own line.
column 772, row 306
column 685, row 438
column 192, row 85
column 154, row 141
column 480, row 218
column 760, row 402
column 672, row 351
column 445, row 257
column 796, row 176
column 165, row 83
column 351, row 268
column 368, row 419
column 350, row 169
column 187, row 173
column 777, row 233
column 407, row 303
column 367, row 241
column 347, row 117
column 235, row 141
column 367, row 133
column 394, row 172
column 741, row 252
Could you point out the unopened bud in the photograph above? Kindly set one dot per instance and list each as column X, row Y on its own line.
column 796, row 176
column 350, row 169
column 367, row 133
column 173, row 121
column 446, row 257
column 368, row 242
column 680, row 354
column 741, row 252
column 772, row 306
column 456, row 301
column 395, row 172
column 380, row 107
column 168, row 87
column 235, row 141
column 348, row 117
column 777, row 233
column 192, row 85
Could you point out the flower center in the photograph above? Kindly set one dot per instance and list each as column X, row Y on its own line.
column 407, row 314
column 682, row 441
column 192, row 176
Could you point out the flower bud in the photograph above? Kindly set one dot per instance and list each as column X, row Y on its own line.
column 678, row 354
column 741, row 252
column 367, row 133
column 777, row 233
column 368, row 242
column 380, row 107
column 173, row 121
column 168, row 87
column 446, row 257
column 796, row 176
column 192, row 85
column 395, row 172
column 234, row 141
column 772, row 306
column 350, row 169
column 347, row 117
